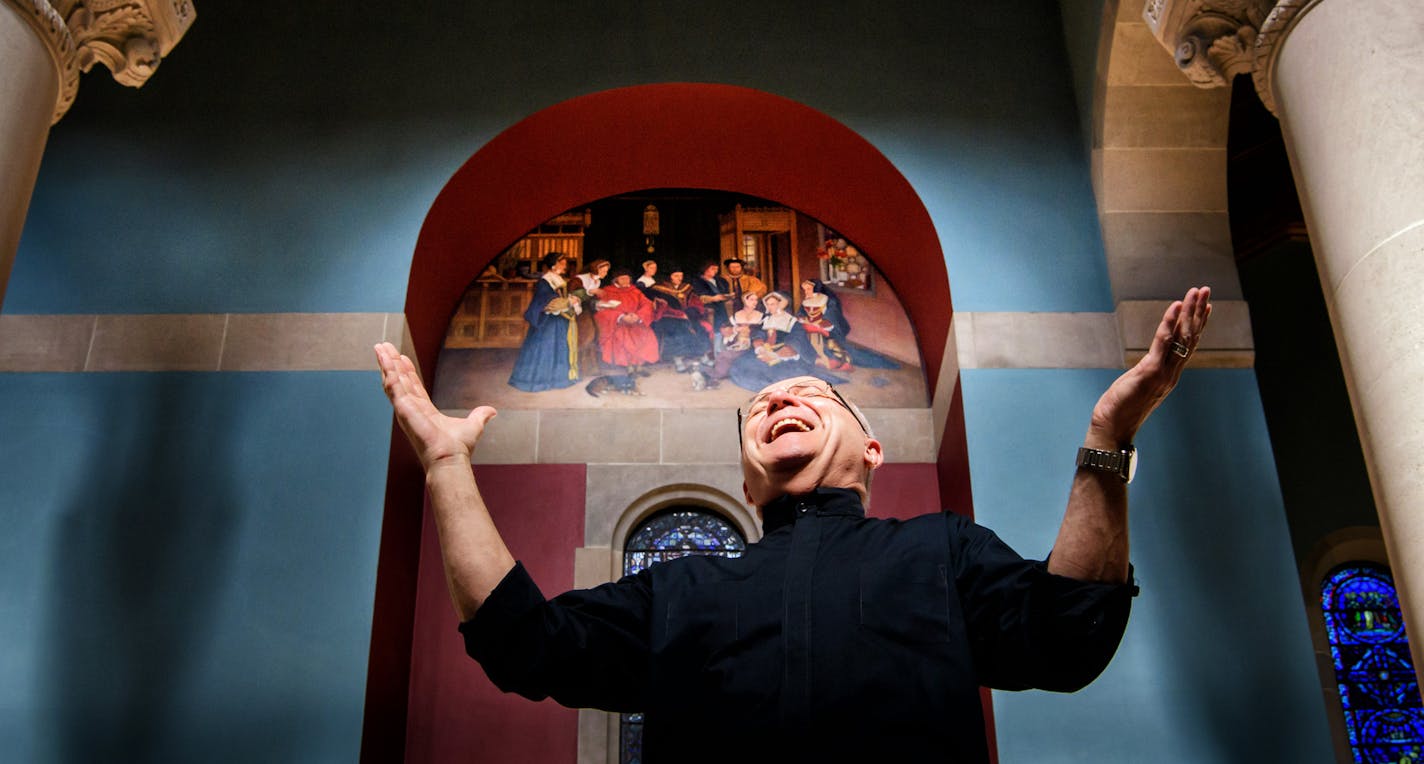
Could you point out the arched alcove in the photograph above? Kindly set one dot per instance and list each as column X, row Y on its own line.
column 675, row 135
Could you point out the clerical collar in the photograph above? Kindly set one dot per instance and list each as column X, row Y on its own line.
column 822, row 501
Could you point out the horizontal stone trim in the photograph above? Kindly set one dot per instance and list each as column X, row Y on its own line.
column 663, row 436
column 1095, row 340
column 1037, row 340
column 342, row 342
column 198, row 342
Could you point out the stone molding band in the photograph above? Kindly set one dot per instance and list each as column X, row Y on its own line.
column 1212, row 41
column 209, row 342
column 130, row 37
column 342, row 341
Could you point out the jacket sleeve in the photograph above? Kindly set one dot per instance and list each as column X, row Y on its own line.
column 585, row 649
column 1029, row 628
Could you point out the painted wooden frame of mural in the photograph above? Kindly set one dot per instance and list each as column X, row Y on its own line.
column 677, row 298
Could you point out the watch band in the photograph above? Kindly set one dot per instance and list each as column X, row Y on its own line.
column 1117, row 462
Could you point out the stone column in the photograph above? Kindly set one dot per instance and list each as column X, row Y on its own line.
column 44, row 45
column 1346, row 80
column 29, row 89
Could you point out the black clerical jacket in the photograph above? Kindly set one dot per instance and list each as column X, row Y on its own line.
column 833, row 638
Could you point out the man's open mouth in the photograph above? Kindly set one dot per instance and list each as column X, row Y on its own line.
column 789, row 424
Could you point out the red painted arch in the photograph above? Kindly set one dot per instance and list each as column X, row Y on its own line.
column 676, row 135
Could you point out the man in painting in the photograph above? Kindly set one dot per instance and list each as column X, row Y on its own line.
column 714, row 293
column 835, row 637
column 677, row 320
column 548, row 358
column 625, row 318
column 741, row 283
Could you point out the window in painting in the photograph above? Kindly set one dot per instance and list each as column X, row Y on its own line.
column 1384, row 717
column 668, row 535
column 842, row 265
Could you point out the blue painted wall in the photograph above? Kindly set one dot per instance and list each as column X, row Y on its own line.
column 186, row 569
column 1217, row 663
column 297, row 179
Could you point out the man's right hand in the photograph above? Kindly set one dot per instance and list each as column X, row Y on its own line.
column 437, row 439
column 474, row 555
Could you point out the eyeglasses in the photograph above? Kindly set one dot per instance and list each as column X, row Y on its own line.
column 799, row 390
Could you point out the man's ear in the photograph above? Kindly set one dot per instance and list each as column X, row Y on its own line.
column 874, row 456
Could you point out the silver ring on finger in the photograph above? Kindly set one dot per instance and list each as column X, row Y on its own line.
column 1180, row 349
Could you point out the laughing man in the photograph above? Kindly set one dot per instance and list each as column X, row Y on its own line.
column 834, row 638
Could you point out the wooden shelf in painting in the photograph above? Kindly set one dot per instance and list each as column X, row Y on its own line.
column 491, row 315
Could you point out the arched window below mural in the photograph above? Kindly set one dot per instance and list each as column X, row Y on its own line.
column 1384, row 716
column 679, row 531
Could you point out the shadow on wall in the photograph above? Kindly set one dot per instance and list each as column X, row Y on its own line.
column 140, row 557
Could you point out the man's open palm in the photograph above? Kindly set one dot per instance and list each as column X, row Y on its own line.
column 1138, row 392
column 435, row 437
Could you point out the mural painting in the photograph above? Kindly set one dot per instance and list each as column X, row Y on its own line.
column 682, row 299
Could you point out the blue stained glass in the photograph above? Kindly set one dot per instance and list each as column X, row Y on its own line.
column 631, row 734
column 686, row 530
column 1384, row 716
column 679, row 532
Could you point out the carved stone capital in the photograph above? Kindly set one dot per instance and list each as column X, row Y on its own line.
column 130, row 37
column 1212, row 41
column 1267, row 49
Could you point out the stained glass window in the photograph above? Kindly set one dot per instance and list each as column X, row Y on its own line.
column 1384, row 717
column 668, row 535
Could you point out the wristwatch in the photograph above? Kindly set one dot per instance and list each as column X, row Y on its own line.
column 1121, row 463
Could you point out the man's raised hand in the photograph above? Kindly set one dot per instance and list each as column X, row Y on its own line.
column 437, row 439
column 1138, row 392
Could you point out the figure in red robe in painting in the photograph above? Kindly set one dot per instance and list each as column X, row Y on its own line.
column 625, row 317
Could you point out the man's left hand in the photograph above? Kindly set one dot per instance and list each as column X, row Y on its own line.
column 1137, row 393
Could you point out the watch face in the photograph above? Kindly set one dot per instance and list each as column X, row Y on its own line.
column 1131, row 455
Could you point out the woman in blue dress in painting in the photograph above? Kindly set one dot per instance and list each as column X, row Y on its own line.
column 832, row 317
column 833, row 311
column 548, row 359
